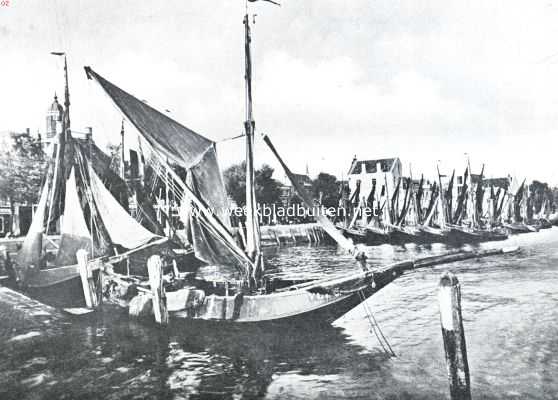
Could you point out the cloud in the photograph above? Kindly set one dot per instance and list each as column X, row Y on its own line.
column 422, row 80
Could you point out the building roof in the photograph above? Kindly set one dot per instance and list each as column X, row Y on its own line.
column 55, row 106
column 503, row 183
column 371, row 165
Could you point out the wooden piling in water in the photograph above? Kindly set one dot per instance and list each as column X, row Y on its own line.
column 449, row 298
column 155, row 272
column 4, row 263
column 87, row 281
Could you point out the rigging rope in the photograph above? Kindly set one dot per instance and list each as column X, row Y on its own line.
column 376, row 327
column 179, row 194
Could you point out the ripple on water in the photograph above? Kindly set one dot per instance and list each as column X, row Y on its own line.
column 510, row 308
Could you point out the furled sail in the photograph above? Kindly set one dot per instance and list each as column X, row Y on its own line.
column 479, row 197
column 395, row 202
column 461, row 200
column 517, row 201
column 434, row 198
column 406, row 202
column 418, row 197
column 449, row 198
column 74, row 232
column 121, row 227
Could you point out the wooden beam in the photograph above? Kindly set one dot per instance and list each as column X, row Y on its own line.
column 87, row 281
column 449, row 298
column 155, row 271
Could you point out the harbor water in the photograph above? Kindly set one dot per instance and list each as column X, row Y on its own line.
column 510, row 309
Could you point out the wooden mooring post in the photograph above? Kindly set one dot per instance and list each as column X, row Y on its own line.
column 4, row 263
column 449, row 298
column 155, row 272
column 87, row 281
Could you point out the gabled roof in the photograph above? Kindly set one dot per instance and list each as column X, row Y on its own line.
column 371, row 165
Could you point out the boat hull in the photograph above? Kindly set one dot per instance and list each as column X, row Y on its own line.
column 366, row 236
column 434, row 235
column 376, row 236
column 520, row 227
column 405, row 235
column 326, row 300
column 461, row 235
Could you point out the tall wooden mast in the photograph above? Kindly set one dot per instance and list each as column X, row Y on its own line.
column 252, row 226
column 58, row 178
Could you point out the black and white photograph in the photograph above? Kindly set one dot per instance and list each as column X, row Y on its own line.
column 278, row 199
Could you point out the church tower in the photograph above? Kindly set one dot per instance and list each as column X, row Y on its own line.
column 54, row 117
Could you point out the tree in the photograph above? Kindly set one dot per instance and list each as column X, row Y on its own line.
column 326, row 187
column 21, row 172
column 267, row 189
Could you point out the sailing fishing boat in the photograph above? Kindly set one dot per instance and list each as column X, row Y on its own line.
column 433, row 224
column 353, row 209
column 376, row 230
column 401, row 232
column 367, row 230
column 239, row 291
column 75, row 202
column 467, row 224
column 518, row 212
column 540, row 218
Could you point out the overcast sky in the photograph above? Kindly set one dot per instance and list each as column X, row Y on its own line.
column 422, row 80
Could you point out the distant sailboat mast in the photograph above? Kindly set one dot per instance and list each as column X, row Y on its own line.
column 443, row 208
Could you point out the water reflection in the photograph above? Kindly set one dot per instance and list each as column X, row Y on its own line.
column 510, row 308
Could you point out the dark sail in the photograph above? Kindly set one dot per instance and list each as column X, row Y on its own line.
column 419, row 195
column 501, row 205
column 394, row 202
column 207, row 247
column 181, row 145
column 174, row 142
column 461, row 200
column 479, row 196
column 355, row 198
column 406, row 202
column 432, row 202
column 370, row 199
column 371, row 195
column 449, row 198
column 517, row 203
